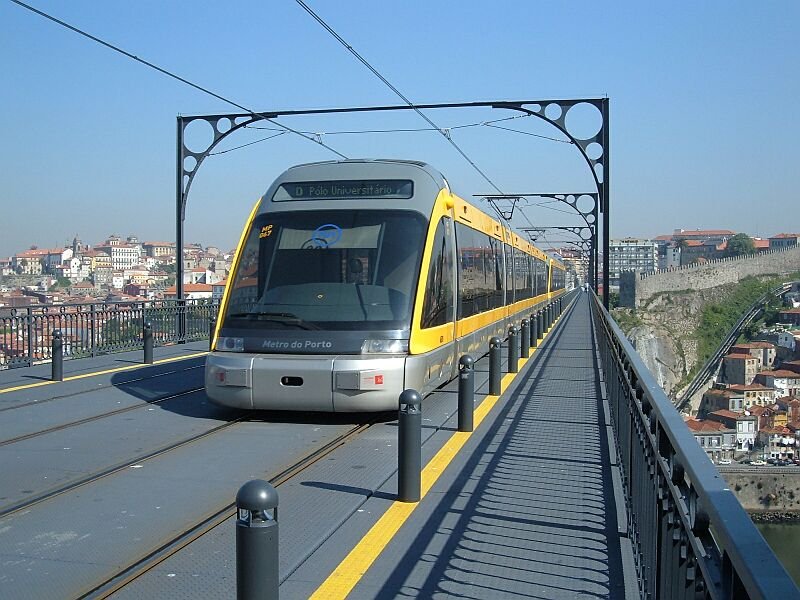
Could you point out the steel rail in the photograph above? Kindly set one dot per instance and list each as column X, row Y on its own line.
column 99, row 387
column 48, row 495
column 213, row 519
column 118, row 411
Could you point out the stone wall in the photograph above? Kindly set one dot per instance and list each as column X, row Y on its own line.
column 636, row 288
column 763, row 490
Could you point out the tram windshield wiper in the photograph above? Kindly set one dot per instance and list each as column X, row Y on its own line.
column 278, row 317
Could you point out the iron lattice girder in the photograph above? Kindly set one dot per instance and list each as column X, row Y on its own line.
column 225, row 124
column 589, row 216
column 577, row 231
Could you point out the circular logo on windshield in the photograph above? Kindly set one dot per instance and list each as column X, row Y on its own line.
column 326, row 235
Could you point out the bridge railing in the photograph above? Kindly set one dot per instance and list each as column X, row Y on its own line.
column 690, row 535
column 26, row 334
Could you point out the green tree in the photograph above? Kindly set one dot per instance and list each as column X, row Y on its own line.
column 740, row 244
column 61, row 282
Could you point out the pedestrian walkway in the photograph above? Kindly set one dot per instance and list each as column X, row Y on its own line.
column 528, row 509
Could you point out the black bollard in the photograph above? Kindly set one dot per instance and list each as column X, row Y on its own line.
column 513, row 349
column 57, row 349
column 532, row 330
column 212, row 328
column 541, row 324
column 466, row 393
column 495, row 366
column 409, row 448
column 256, row 541
column 148, row 343
column 524, row 339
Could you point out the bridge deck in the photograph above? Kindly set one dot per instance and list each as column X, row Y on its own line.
column 527, row 507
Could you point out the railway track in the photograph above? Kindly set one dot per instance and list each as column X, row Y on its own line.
column 213, row 519
column 49, row 494
column 99, row 387
column 93, row 418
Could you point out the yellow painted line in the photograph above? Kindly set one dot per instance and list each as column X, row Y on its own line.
column 28, row 386
column 349, row 572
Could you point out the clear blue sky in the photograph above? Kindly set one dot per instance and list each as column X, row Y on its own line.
column 704, row 95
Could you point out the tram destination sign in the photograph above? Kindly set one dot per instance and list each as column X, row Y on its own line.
column 393, row 189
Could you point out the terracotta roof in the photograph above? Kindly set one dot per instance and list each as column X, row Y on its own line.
column 739, row 356
column 782, row 373
column 790, row 311
column 750, row 387
column 705, row 426
column 190, row 287
column 761, row 243
column 754, row 345
column 709, row 232
column 728, row 413
column 779, row 236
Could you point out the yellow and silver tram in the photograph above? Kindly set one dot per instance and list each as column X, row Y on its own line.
column 354, row 280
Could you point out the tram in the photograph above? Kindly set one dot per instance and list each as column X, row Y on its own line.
column 354, row 280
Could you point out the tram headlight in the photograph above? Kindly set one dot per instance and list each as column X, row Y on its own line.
column 230, row 344
column 384, row 347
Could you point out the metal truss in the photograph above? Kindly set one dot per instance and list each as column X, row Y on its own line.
column 595, row 150
column 586, row 243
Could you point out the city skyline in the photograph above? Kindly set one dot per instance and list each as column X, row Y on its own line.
column 694, row 140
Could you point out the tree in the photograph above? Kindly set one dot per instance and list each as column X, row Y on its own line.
column 740, row 244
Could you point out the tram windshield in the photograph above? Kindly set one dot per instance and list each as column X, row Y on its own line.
column 330, row 270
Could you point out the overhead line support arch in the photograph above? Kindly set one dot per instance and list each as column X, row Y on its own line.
column 185, row 173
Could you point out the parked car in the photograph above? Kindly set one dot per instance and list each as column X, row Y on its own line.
column 724, row 461
column 758, row 463
column 772, row 461
column 745, row 461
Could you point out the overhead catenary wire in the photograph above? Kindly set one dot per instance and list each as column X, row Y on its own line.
column 172, row 75
column 388, row 84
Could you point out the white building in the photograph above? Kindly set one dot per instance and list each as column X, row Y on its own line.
column 631, row 254
column 786, row 383
column 123, row 256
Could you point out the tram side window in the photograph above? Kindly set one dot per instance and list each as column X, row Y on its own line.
column 437, row 309
column 522, row 280
column 499, row 273
column 509, row 274
column 475, row 271
column 541, row 276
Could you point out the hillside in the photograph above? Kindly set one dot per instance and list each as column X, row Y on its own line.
column 675, row 332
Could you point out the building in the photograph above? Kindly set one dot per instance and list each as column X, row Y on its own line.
column 218, row 289
column 718, row 440
column 764, row 352
column 630, row 254
column 192, row 291
column 790, row 316
column 745, row 424
column 123, row 256
column 715, row 236
column 778, row 442
column 158, row 249
column 785, row 382
column 754, row 394
column 784, row 240
column 717, row 399
column 789, row 340
column 739, row 368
